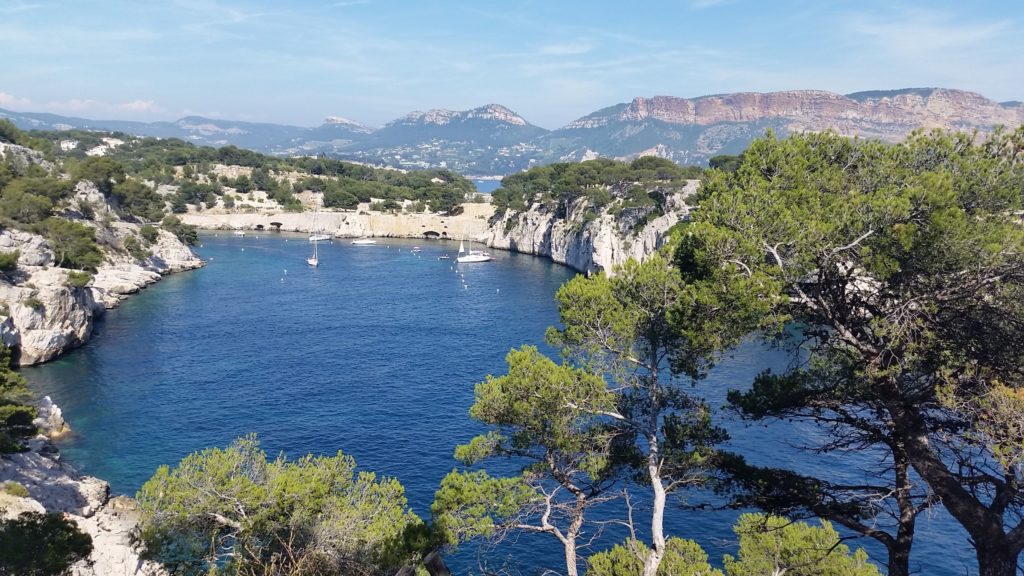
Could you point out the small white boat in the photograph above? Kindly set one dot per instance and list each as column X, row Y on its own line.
column 315, row 233
column 239, row 232
column 472, row 256
column 313, row 260
column 364, row 241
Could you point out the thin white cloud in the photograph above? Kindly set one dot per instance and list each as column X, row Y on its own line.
column 215, row 18
column 73, row 105
column 12, row 101
column 924, row 33
column 91, row 107
column 350, row 3
column 140, row 106
column 569, row 49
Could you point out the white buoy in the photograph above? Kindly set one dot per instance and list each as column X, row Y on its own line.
column 285, row 270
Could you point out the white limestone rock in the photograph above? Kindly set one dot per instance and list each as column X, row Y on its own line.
column 45, row 316
column 56, row 487
column 50, row 419
column 42, row 316
column 600, row 244
column 33, row 249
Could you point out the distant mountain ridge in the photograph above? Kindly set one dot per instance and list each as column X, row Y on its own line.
column 494, row 140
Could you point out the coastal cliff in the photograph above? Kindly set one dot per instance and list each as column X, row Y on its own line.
column 45, row 315
column 50, row 485
column 572, row 239
column 46, row 310
column 588, row 244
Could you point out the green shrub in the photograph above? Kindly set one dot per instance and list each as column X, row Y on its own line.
column 33, row 303
column 79, row 279
column 73, row 244
column 15, row 415
column 24, row 207
column 682, row 558
column 14, row 489
column 36, row 544
column 149, row 233
column 9, row 261
column 135, row 248
column 185, row 232
column 18, row 418
column 233, row 508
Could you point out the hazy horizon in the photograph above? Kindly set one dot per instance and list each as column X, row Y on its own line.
column 373, row 61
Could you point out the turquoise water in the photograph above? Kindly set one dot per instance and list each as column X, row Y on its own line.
column 374, row 353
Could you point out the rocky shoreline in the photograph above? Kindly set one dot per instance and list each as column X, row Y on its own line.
column 46, row 317
column 585, row 245
column 54, row 486
column 43, row 315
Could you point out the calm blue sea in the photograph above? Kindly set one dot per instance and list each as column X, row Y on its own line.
column 374, row 353
column 487, row 186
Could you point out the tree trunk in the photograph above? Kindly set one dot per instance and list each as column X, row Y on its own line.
column 573, row 532
column 996, row 560
column 899, row 551
column 899, row 561
column 997, row 553
column 435, row 565
column 570, row 557
column 657, row 552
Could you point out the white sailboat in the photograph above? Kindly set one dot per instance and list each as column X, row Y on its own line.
column 471, row 256
column 315, row 233
column 313, row 260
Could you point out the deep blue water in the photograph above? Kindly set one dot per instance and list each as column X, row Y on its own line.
column 375, row 353
column 487, row 186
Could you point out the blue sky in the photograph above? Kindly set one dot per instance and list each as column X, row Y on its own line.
column 550, row 61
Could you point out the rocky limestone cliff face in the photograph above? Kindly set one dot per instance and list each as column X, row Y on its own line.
column 41, row 314
column 471, row 224
column 887, row 116
column 54, row 486
column 442, row 116
column 600, row 244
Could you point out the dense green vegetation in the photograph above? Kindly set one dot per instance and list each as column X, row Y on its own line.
column 767, row 545
column 233, row 511
column 16, row 414
column 907, row 262
column 641, row 185
column 192, row 169
column 36, row 544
